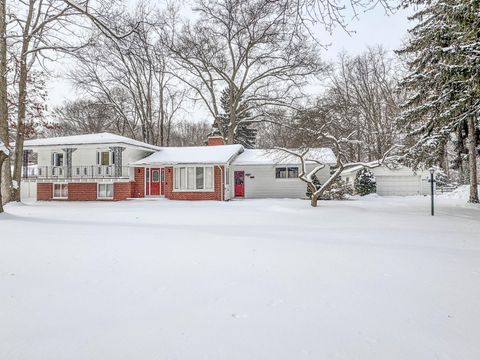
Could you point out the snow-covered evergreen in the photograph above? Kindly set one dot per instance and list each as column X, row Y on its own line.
column 444, row 80
column 245, row 134
column 365, row 182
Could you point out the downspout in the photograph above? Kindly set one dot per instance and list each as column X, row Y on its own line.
column 222, row 183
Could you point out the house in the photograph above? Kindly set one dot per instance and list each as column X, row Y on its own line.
column 82, row 167
column 111, row 167
column 399, row 181
column 260, row 173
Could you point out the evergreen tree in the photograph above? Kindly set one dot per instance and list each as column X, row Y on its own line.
column 365, row 182
column 245, row 134
column 444, row 81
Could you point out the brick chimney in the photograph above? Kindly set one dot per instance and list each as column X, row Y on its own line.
column 215, row 140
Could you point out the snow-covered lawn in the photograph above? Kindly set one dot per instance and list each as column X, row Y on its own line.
column 375, row 278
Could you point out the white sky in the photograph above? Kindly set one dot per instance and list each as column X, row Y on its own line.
column 371, row 28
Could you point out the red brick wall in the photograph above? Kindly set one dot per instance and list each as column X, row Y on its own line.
column 195, row 195
column 82, row 191
column 215, row 140
column 138, row 185
column 44, row 191
column 122, row 190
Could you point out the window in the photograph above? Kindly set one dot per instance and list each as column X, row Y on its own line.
column 286, row 172
column 60, row 191
column 104, row 158
column 193, row 178
column 292, row 172
column 105, row 191
column 155, row 175
column 199, row 177
column 57, row 159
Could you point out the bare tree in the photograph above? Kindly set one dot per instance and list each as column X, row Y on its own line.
column 248, row 48
column 4, row 153
column 363, row 97
column 137, row 68
column 342, row 161
column 188, row 133
column 83, row 116
column 38, row 27
column 5, row 173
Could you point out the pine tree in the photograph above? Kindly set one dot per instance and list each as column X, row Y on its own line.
column 245, row 134
column 444, row 81
column 365, row 182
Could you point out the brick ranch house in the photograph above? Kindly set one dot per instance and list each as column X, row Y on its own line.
column 111, row 167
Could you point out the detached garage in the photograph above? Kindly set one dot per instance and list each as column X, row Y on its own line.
column 401, row 181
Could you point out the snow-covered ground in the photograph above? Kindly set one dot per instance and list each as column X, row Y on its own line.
column 375, row 278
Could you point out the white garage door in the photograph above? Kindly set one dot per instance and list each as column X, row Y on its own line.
column 398, row 185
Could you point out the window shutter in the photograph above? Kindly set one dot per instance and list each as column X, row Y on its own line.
column 53, row 159
column 98, row 158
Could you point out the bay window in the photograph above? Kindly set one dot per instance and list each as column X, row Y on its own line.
column 193, row 178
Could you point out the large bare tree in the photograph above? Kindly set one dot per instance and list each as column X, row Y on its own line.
column 251, row 48
column 136, row 68
column 339, row 145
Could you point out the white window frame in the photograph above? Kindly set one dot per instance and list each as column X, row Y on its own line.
column 177, row 181
column 110, row 157
column 53, row 191
column 104, row 197
column 55, row 157
column 286, row 167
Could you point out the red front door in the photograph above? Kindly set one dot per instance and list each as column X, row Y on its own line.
column 154, row 182
column 239, row 177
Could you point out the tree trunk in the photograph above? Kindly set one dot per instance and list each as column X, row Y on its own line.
column 314, row 201
column 22, row 96
column 20, row 138
column 2, row 160
column 6, row 177
column 5, row 172
column 472, row 159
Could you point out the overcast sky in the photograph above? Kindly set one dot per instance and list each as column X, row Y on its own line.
column 371, row 28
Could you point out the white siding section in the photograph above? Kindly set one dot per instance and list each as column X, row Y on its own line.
column 87, row 155
column 260, row 182
column 397, row 182
column 28, row 190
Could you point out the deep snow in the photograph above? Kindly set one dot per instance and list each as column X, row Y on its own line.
column 375, row 278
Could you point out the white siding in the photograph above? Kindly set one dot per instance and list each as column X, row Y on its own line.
column 260, row 182
column 28, row 190
column 87, row 155
column 397, row 182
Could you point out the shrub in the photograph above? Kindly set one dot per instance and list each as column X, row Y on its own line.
column 365, row 182
column 338, row 190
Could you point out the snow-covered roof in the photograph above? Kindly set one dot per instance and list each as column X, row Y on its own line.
column 220, row 154
column 273, row 156
column 100, row 138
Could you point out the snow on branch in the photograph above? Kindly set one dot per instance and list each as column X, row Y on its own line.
column 4, row 149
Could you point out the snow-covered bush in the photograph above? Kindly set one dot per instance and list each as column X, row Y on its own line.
column 338, row 190
column 365, row 182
